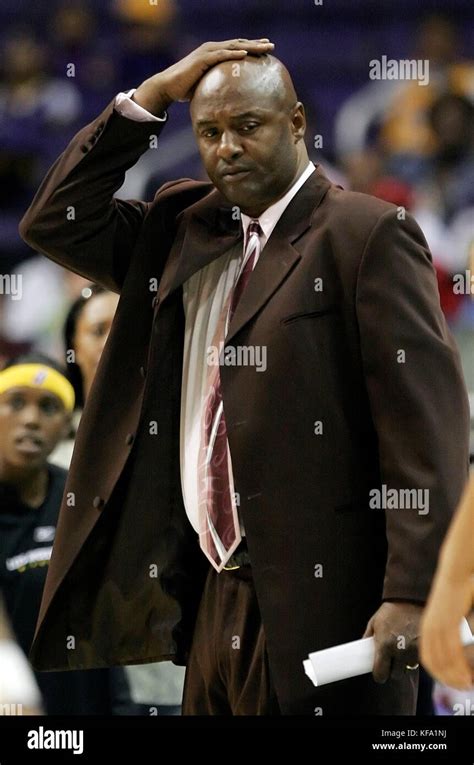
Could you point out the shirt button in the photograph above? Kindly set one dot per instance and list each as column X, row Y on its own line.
column 129, row 439
column 98, row 502
column 143, row 372
column 155, row 301
column 84, row 149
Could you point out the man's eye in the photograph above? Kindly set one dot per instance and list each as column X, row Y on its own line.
column 249, row 126
column 49, row 406
column 16, row 402
column 209, row 133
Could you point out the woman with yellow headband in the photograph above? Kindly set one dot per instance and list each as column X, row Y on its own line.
column 36, row 402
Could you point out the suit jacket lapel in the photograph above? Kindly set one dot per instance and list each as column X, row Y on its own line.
column 210, row 227
column 207, row 229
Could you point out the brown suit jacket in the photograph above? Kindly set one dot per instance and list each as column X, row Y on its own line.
column 126, row 573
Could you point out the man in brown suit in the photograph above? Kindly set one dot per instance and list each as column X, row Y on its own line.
column 349, row 444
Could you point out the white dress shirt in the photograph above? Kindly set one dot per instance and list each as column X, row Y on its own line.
column 204, row 297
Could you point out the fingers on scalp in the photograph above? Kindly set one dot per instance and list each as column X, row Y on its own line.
column 226, row 44
column 237, row 45
column 225, row 54
column 214, row 56
column 233, row 47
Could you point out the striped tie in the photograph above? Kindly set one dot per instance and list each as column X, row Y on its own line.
column 219, row 528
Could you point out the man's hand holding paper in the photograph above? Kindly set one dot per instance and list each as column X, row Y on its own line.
column 395, row 628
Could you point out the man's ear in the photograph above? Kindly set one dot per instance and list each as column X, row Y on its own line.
column 298, row 121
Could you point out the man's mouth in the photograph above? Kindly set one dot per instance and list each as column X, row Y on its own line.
column 234, row 175
column 29, row 444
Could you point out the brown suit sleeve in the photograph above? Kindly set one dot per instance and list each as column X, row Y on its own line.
column 417, row 397
column 74, row 218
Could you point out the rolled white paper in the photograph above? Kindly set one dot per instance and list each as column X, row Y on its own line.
column 351, row 659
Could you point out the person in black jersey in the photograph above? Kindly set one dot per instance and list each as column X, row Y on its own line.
column 36, row 402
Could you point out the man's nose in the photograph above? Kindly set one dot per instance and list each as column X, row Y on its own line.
column 229, row 147
column 30, row 415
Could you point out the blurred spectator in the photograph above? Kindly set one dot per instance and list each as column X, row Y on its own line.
column 400, row 108
column 36, row 402
column 448, row 182
column 34, row 108
column 363, row 168
column 86, row 329
column 37, row 319
column 73, row 35
column 91, row 60
column 37, row 112
column 147, row 38
column 444, row 198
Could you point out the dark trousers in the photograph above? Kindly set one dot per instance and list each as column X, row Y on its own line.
column 227, row 672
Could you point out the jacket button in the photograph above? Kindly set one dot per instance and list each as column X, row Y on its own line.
column 84, row 149
column 143, row 372
column 98, row 502
column 155, row 301
column 129, row 439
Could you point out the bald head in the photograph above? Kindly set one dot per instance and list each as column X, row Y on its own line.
column 263, row 78
column 249, row 127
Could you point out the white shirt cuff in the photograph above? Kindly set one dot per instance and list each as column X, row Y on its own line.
column 133, row 111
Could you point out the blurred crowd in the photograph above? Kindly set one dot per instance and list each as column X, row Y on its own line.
column 409, row 144
column 55, row 78
column 413, row 145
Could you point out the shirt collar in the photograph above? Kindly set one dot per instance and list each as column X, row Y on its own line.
column 270, row 217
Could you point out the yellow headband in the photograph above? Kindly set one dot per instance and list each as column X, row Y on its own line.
column 38, row 376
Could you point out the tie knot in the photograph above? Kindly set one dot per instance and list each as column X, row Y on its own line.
column 254, row 228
